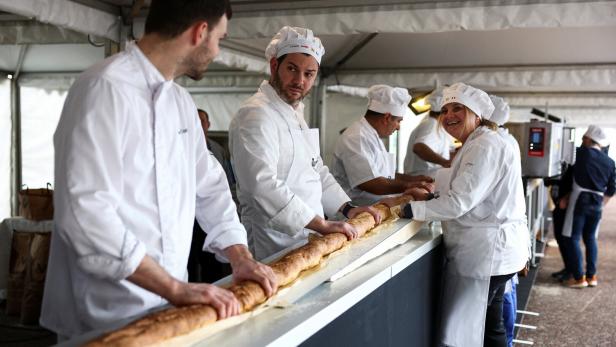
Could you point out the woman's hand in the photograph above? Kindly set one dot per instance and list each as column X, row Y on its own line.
column 419, row 194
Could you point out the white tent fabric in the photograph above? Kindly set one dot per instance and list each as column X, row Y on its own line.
column 50, row 82
column 33, row 32
column 427, row 17
column 220, row 107
column 40, row 113
column 241, row 61
column 221, row 81
column 562, row 79
column 67, row 14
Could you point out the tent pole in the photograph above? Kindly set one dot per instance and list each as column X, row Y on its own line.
column 318, row 114
column 15, row 146
column 16, row 133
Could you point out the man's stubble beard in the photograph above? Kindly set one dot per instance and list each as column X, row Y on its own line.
column 276, row 83
column 194, row 69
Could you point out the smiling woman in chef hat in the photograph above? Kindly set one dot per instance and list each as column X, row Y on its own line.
column 483, row 215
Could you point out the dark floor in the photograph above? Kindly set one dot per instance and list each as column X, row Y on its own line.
column 576, row 317
column 14, row 334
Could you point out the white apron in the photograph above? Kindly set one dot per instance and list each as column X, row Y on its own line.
column 362, row 198
column 303, row 180
column 466, row 285
column 575, row 194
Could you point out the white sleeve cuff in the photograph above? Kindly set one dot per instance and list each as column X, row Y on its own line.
column 293, row 218
column 333, row 197
column 107, row 267
column 232, row 235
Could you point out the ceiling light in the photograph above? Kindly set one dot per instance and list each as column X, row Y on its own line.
column 419, row 104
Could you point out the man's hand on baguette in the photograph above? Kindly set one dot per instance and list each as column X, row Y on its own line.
column 360, row 209
column 153, row 277
column 325, row 227
column 245, row 267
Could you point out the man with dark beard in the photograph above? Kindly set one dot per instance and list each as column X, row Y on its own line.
column 132, row 170
column 283, row 187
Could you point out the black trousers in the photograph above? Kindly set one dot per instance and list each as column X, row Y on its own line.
column 494, row 335
column 203, row 266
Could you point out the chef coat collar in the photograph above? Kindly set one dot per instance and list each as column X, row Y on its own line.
column 372, row 131
column 153, row 77
column 267, row 89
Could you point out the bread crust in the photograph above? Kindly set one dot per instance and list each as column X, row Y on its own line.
column 175, row 321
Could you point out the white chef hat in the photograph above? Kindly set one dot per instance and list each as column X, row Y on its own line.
column 596, row 134
column 294, row 40
column 435, row 99
column 475, row 99
column 386, row 99
column 501, row 112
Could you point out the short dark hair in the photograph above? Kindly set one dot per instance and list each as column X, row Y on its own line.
column 205, row 113
column 282, row 57
column 371, row 113
column 170, row 18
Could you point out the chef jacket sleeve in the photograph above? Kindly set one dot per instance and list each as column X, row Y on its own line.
column 89, row 154
column 479, row 171
column 423, row 132
column 358, row 159
column 333, row 195
column 255, row 160
column 214, row 209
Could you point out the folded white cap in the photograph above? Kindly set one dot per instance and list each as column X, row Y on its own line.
column 475, row 99
column 501, row 112
column 435, row 99
column 294, row 40
column 597, row 135
column 386, row 99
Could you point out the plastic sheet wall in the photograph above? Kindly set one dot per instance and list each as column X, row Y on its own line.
column 40, row 113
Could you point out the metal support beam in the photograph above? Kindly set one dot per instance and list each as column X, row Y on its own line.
column 330, row 71
column 20, row 61
column 318, row 113
column 15, row 146
column 16, row 133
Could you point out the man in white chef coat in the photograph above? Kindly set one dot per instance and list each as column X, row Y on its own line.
column 282, row 185
column 363, row 166
column 429, row 145
column 131, row 171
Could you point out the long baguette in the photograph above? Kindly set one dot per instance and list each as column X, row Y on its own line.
column 175, row 321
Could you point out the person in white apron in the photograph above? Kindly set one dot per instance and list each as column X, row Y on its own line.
column 483, row 213
column 132, row 173
column 283, row 187
column 594, row 183
column 362, row 165
column 429, row 146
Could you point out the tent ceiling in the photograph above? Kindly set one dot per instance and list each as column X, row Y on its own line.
column 512, row 47
column 451, row 44
column 45, row 58
column 515, row 46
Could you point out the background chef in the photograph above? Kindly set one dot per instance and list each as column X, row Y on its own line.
column 486, row 238
column 362, row 165
column 594, row 184
column 500, row 116
column 429, row 145
column 283, row 186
